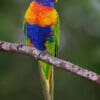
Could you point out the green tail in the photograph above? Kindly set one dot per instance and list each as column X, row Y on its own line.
column 47, row 80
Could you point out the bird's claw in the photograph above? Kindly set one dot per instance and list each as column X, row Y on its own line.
column 44, row 52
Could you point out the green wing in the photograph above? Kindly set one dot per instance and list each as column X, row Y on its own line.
column 56, row 31
column 52, row 43
column 28, row 41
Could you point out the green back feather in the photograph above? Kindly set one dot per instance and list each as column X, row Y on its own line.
column 56, row 31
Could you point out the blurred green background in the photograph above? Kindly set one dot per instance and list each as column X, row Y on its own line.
column 80, row 44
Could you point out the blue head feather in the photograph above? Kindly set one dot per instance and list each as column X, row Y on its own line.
column 46, row 2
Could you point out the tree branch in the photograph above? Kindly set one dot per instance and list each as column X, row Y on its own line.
column 58, row 63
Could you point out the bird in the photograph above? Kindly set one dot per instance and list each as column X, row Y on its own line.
column 42, row 31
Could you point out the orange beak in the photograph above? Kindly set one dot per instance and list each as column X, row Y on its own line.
column 55, row 1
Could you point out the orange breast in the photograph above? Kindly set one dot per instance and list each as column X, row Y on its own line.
column 41, row 15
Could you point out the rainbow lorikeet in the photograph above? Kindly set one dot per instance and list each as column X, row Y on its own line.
column 41, row 27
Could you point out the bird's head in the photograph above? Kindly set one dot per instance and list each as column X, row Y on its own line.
column 47, row 2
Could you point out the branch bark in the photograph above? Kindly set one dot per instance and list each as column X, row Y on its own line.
column 58, row 63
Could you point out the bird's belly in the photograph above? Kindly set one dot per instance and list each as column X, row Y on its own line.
column 41, row 15
column 38, row 35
